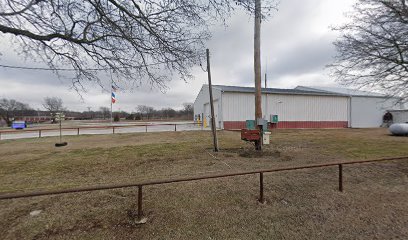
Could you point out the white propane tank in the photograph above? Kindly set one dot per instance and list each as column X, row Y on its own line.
column 399, row 129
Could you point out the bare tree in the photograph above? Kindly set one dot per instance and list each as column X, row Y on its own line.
column 188, row 109
column 168, row 113
column 145, row 40
column 105, row 112
column 141, row 109
column 373, row 48
column 145, row 110
column 90, row 113
column 53, row 105
column 9, row 107
column 149, row 112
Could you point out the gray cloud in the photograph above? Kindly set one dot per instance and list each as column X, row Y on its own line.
column 307, row 56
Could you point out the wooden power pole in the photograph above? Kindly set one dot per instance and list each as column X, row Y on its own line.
column 213, row 126
column 257, row 68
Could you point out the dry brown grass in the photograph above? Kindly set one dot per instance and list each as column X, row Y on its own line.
column 300, row 205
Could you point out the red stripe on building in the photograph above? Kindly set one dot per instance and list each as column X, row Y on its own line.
column 229, row 125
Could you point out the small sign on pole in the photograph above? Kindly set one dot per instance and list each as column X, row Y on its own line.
column 59, row 117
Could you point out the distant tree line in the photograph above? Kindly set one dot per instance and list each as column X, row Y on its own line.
column 11, row 109
column 144, row 112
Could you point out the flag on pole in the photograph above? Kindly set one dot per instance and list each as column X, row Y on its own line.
column 113, row 98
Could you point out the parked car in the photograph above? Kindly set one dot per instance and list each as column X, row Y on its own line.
column 19, row 125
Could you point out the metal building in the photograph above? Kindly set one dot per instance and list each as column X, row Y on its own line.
column 301, row 107
column 400, row 116
column 366, row 108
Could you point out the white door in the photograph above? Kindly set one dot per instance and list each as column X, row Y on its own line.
column 217, row 123
column 207, row 113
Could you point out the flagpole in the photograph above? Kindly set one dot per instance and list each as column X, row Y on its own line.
column 110, row 97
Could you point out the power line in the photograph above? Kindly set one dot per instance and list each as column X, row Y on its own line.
column 71, row 69
column 42, row 68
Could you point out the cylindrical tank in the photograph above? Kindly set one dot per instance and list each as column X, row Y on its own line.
column 399, row 129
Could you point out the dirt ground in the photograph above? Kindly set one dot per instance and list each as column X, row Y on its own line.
column 301, row 204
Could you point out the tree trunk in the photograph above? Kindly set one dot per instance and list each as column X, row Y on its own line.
column 8, row 121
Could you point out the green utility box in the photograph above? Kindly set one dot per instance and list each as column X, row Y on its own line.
column 254, row 125
column 274, row 119
column 264, row 123
column 250, row 124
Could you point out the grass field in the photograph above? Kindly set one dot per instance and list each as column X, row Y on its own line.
column 300, row 204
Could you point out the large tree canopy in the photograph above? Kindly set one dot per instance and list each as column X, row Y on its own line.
column 146, row 40
column 373, row 48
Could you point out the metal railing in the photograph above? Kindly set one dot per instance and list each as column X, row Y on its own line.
column 140, row 185
column 113, row 127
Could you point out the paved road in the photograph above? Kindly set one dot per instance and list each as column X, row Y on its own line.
column 49, row 133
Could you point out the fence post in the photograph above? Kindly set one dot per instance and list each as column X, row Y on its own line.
column 175, row 127
column 39, row 133
column 140, row 218
column 0, row 135
column 78, row 132
column 113, row 130
column 261, row 189
column 146, row 127
column 341, row 177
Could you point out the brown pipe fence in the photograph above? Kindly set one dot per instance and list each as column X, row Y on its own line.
column 41, row 130
column 140, row 185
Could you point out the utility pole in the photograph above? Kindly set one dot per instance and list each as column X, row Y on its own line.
column 257, row 69
column 265, row 79
column 213, row 126
column 89, row 111
column 266, row 93
column 266, row 71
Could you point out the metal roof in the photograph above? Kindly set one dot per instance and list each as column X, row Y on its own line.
column 343, row 91
column 274, row 90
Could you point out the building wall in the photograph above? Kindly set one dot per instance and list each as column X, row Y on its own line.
column 291, row 124
column 400, row 116
column 367, row 112
column 294, row 111
column 202, row 105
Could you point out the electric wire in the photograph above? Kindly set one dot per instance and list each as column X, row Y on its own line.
column 72, row 69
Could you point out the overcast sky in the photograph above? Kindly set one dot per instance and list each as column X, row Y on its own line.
column 296, row 44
